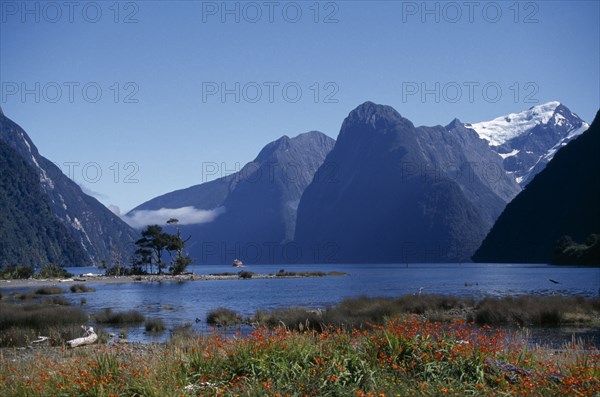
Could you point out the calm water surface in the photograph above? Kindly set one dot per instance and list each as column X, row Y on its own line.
column 177, row 303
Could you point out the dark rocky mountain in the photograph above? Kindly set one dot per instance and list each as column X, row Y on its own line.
column 403, row 193
column 256, row 206
column 91, row 224
column 562, row 200
column 30, row 234
column 528, row 140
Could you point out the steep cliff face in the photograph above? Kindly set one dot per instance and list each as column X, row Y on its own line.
column 403, row 193
column 30, row 234
column 91, row 224
column 562, row 200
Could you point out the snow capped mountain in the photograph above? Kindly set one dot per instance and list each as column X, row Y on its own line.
column 528, row 140
column 504, row 128
column 561, row 201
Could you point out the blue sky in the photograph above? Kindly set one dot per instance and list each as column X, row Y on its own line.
column 134, row 89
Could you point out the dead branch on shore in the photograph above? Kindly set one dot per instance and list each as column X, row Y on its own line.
column 41, row 339
column 88, row 338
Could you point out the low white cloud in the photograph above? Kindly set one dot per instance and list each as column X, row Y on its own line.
column 185, row 215
column 92, row 193
column 115, row 209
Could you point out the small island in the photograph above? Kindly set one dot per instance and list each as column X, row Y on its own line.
column 91, row 278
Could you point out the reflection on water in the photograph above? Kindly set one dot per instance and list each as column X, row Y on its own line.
column 178, row 303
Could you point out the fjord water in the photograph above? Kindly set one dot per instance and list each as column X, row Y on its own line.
column 177, row 303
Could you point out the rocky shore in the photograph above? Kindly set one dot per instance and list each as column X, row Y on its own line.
column 101, row 279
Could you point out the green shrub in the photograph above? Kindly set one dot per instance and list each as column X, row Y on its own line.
column 53, row 271
column 10, row 272
column 527, row 310
column 49, row 291
column 180, row 265
column 360, row 311
column 107, row 316
column 296, row 318
column 124, row 271
column 184, row 331
column 223, row 317
column 155, row 325
column 245, row 274
column 21, row 323
column 57, row 300
column 76, row 288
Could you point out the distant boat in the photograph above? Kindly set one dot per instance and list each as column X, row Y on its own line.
column 237, row 263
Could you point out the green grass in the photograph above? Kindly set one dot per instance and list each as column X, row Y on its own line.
column 49, row 291
column 362, row 311
column 404, row 357
column 155, row 325
column 22, row 323
column 57, row 300
column 53, row 271
column 537, row 311
column 77, row 288
column 223, row 317
column 107, row 316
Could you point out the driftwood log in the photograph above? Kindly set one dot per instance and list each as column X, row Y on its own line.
column 41, row 339
column 88, row 338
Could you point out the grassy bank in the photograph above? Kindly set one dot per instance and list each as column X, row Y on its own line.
column 24, row 316
column 407, row 357
column 20, row 324
column 361, row 312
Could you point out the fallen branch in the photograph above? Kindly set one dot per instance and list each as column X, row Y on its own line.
column 88, row 338
column 41, row 339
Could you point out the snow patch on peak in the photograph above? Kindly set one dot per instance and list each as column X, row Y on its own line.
column 505, row 128
column 563, row 142
column 552, row 105
column 578, row 131
column 558, row 119
column 510, row 154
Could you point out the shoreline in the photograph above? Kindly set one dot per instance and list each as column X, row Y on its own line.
column 150, row 278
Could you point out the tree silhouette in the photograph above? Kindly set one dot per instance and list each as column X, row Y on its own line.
column 154, row 242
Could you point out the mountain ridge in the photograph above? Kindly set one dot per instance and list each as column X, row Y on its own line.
column 30, row 234
column 90, row 223
column 257, row 205
column 396, row 186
